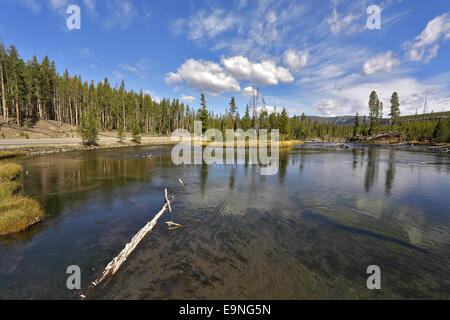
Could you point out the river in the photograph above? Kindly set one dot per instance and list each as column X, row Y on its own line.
column 308, row 232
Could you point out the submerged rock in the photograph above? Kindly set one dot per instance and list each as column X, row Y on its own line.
column 440, row 149
column 342, row 146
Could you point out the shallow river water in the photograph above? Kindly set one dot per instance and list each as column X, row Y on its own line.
column 309, row 232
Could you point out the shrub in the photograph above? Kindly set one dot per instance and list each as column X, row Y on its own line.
column 88, row 129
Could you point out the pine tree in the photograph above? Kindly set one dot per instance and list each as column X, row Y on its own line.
column 356, row 127
column 233, row 108
column 374, row 112
column 246, row 121
column 285, row 129
column 3, row 56
column 203, row 113
column 136, row 132
column 88, row 129
column 442, row 131
column 395, row 108
column 233, row 111
column 121, row 134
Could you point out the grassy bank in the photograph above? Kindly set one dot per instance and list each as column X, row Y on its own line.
column 17, row 213
column 11, row 154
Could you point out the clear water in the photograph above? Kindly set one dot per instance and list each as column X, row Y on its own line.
column 309, row 232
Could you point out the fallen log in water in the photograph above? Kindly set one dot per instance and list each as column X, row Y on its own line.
column 115, row 264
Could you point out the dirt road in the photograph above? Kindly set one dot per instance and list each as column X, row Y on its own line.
column 14, row 143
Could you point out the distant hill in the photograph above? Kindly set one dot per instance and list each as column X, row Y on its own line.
column 342, row 120
column 345, row 120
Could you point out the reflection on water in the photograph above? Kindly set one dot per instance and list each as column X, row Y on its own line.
column 308, row 232
column 390, row 173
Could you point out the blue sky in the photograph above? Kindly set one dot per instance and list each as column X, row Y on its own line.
column 316, row 57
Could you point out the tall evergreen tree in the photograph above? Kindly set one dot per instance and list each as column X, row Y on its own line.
column 357, row 125
column 284, row 125
column 246, row 121
column 203, row 113
column 442, row 131
column 88, row 129
column 374, row 112
column 395, row 108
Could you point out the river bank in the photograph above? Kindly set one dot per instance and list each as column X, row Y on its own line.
column 48, row 146
column 34, row 147
column 17, row 213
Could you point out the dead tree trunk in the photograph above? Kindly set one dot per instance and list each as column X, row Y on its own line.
column 115, row 264
column 4, row 108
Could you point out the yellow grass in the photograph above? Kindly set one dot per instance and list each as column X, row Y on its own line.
column 8, row 188
column 281, row 144
column 9, row 171
column 17, row 213
column 415, row 142
column 442, row 144
column 11, row 154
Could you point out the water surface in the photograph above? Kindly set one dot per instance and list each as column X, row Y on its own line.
column 309, row 232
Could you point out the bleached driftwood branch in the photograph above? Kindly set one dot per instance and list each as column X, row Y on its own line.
column 114, row 266
column 167, row 200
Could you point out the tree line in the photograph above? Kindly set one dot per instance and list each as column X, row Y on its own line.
column 423, row 128
column 31, row 91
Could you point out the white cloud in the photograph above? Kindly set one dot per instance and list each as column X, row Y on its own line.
column 141, row 74
column 251, row 28
column 248, row 92
column 269, row 109
column 86, row 52
column 120, row 14
column 216, row 79
column 354, row 96
column 56, row 4
column 332, row 107
column 153, row 95
column 383, row 62
column 188, row 99
column 90, row 5
column 329, row 64
column 338, row 24
column 204, row 26
column 295, row 60
column 118, row 75
column 204, row 76
column 173, row 78
column 33, row 5
column 425, row 46
column 271, row 17
column 265, row 72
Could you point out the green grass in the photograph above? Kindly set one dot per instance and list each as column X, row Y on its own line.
column 17, row 213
